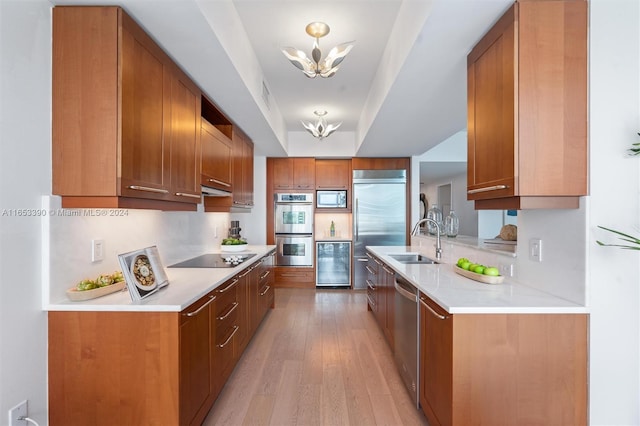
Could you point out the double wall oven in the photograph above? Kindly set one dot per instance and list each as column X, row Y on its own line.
column 294, row 229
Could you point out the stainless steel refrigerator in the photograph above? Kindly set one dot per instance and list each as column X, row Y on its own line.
column 379, row 215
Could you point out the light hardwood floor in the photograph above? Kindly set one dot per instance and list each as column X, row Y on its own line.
column 318, row 358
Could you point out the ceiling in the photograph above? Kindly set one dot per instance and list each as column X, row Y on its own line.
column 399, row 92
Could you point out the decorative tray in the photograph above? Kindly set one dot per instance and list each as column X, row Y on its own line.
column 80, row 295
column 487, row 279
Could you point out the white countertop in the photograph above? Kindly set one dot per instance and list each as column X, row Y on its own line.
column 186, row 285
column 459, row 295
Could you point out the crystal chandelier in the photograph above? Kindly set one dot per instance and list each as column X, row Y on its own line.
column 326, row 67
column 320, row 129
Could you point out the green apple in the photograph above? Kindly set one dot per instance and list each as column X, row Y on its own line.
column 492, row 271
column 462, row 260
column 479, row 269
column 465, row 265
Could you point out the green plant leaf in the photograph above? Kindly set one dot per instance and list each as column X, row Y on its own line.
column 627, row 238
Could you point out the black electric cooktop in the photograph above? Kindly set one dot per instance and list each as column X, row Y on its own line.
column 214, row 260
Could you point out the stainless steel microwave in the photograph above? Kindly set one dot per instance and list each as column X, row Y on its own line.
column 331, row 199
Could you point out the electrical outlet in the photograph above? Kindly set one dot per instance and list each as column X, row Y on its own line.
column 215, row 231
column 17, row 413
column 535, row 249
column 97, row 250
column 506, row 269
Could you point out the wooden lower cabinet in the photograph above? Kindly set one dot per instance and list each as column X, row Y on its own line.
column 164, row 368
column 502, row 369
column 389, row 292
column 226, row 322
column 295, row 277
column 381, row 296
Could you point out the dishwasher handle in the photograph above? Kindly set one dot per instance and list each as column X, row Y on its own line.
column 403, row 291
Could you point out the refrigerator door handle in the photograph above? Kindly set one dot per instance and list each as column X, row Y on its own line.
column 357, row 220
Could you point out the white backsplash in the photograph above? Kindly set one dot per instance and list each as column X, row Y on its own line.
column 562, row 271
column 67, row 259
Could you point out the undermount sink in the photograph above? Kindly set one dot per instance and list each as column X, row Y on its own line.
column 412, row 258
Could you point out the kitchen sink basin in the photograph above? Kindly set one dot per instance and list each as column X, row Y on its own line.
column 412, row 258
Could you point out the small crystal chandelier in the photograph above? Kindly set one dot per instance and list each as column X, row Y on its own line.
column 320, row 129
column 325, row 68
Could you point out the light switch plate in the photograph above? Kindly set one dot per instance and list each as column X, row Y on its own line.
column 97, row 250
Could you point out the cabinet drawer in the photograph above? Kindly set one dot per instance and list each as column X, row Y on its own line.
column 290, row 277
column 226, row 320
column 226, row 294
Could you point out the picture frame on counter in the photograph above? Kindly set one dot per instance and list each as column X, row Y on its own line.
column 143, row 272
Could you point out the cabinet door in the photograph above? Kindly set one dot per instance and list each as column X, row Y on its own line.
column 390, row 295
column 333, row 174
column 242, row 169
column 243, row 297
column 195, row 359
column 304, row 173
column 282, row 173
column 216, row 157
column 247, row 172
column 185, row 139
column 491, row 112
column 436, row 362
column 145, row 96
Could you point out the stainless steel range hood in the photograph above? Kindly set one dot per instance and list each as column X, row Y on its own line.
column 213, row 192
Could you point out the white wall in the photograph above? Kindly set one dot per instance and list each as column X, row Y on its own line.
column 614, row 275
column 339, row 144
column 25, row 164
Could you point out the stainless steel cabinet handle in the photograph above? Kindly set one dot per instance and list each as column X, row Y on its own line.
column 363, row 260
column 387, row 270
column 369, row 255
column 407, row 294
column 377, row 261
column 184, row 194
column 265, row 291
column 442, row 317
column 370, row 285
column 197, row 311
column 371, row 271
column 219, row 182
column 266, row 274
column 234, row 282
column 147, row 189
column 486, row 189
column 233, row 308
column 235, row 328
column 371, row 302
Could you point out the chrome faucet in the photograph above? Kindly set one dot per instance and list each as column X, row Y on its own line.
column 438, row 245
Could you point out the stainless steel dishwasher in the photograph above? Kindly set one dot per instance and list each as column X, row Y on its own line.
column 406, row 335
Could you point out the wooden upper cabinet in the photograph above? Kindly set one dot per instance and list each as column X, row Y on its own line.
column 376, row 163
column 185, row 138
column 333, row 174
column 217, row 158
column 126, row 119
column 242, row 169
column 296, row 173
column 282, row 173
column 527, row 108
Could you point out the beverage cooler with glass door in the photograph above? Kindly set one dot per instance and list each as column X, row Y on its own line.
column 333, row 264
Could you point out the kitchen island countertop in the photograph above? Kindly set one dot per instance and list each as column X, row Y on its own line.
column 186, row 285
column 459, row 295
